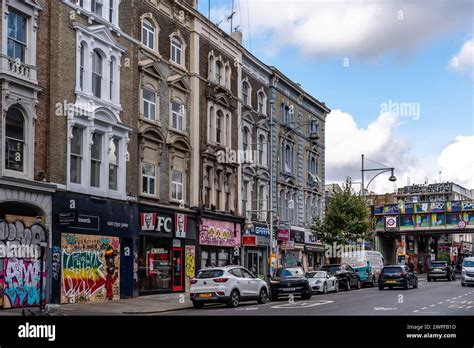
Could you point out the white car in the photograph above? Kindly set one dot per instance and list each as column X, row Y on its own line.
column 229, row 285
column 322, row 282
column 467, row 271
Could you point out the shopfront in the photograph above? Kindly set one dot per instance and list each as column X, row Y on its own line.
column 166, row 250
column 255, row 246
column 292, row 251
column 314, row 251
column 219, row 242
column 94, row 246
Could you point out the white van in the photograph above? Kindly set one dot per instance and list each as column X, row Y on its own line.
column 358, row 261
column 467, row 271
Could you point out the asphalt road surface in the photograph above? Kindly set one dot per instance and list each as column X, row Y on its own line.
column 434, row 298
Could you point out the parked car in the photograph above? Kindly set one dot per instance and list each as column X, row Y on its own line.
column 467, row 271
column 366, row 263
column 322, row 282
column 288, row 281
column 397, row 276
column 345, row 274
column 230, row 285
column 441, row 270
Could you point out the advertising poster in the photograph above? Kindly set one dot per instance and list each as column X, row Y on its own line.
column 190, row 257
column 90, row 268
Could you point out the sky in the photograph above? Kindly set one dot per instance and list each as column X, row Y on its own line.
column 398, row 76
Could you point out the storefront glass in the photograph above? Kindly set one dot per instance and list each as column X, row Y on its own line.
column 215, row 257
column 155, row 267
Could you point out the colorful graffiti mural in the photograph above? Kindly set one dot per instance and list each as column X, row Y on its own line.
column 22, row 283
column 190, row 257
column 90, row 268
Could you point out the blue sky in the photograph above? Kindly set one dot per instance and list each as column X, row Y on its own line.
column 397, row 50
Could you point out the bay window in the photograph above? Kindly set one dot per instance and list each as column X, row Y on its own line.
column 96, row 159
column 76, row 155
column 15, row 140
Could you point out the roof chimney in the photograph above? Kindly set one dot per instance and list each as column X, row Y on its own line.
column 237, row 36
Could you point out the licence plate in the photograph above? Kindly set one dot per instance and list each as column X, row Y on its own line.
column 437, row 270
column 289, row 289
column 391, row 281
column 205, row 295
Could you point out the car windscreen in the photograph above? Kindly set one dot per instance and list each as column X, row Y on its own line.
column 468, row 263
column 210, row 273
column 392, row 270
column 287, row 272
column 438, row 264
column 317, row 275
column 332, row 269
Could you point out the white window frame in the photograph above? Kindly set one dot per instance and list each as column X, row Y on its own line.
column 177, row 185
column 179, row 115
column 108, row 7
column 147, row 104
column 148, row 178
column 146, row 25
column 176, row 49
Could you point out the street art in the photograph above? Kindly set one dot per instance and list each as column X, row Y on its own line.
column 18, row 241
column 190, row 256
column 90, row 268
column 56, row 262
column 1, row 283
column 219, row 233
column 22, row 283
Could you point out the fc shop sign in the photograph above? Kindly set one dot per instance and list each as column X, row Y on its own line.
column 164, row 224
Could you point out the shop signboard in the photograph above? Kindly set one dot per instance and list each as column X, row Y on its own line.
column 180, row 221
column 284, row 232
column 310, row 238
column 297, row 236
column 248, row 240
column 219, row 233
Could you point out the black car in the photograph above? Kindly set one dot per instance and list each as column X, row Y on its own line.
column 345, row 275
column 441, row 270
column 290, row 280
column 397, row 276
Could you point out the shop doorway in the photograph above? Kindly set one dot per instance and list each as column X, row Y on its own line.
column 255, row 261
column 178, row 284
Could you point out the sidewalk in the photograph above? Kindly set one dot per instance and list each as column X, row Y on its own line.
column 143, row 305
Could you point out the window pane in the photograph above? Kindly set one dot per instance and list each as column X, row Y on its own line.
column 95, row 173
column 95, row 159
column 14, row 124
column 96, row 146
column 113, row 171
column 76, row 169
column 76, row 142
column 113, row 151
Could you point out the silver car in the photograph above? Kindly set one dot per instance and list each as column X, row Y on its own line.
column 322, row 282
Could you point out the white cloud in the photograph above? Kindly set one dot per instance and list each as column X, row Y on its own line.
column 346, row 141
column 456, row 161
column 341, row 28
column 463, row 61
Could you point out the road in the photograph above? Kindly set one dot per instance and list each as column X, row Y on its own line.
column 435, row 298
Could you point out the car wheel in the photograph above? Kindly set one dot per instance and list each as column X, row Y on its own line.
column 380, row 287
column 359, row 284
column 234, row 299
column 428, row 279
column 263, row 297
column 325, row 288
column 198, row 305
column 307, row 295
column 336, row 287
column 463, row 284
column 348, row 285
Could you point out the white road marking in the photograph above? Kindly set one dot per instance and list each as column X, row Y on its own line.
column 384, row 309
column 432, row 305
column 440, row 302
column 415, row 311
column 424, row 308
column 246, row 309
column 303, row 304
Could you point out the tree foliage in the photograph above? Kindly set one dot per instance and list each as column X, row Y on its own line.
column 345, row 220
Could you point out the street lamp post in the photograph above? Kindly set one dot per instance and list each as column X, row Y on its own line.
column 382, row 170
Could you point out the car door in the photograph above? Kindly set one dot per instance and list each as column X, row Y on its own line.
column 252, row 283
column 242, row 283
column 351, row 274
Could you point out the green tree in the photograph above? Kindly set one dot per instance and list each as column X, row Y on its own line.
column 346, row 219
